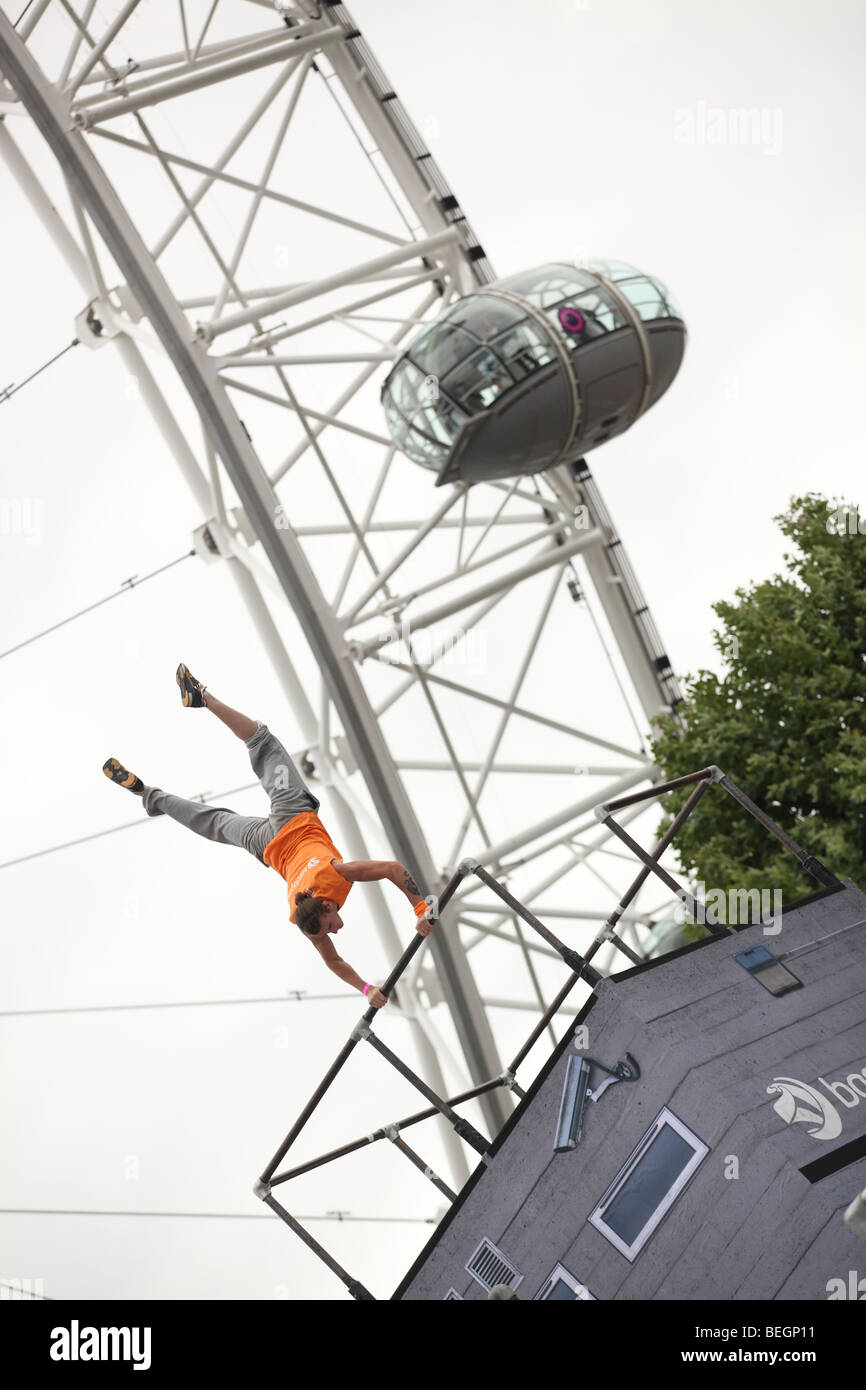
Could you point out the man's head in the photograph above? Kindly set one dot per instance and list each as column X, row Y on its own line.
column 317, row 917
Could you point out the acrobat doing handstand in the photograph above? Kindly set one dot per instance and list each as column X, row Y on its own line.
column 292, row 840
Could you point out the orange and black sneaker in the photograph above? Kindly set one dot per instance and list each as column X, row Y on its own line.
column 119, row 774
column 191, row 690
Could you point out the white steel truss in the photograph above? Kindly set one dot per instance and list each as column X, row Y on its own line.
column 309, row 232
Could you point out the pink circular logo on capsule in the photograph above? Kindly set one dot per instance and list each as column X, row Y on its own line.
column 572, row 320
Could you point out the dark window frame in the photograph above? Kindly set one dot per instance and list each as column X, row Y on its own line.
column 660, row 1210
column 559, row 1274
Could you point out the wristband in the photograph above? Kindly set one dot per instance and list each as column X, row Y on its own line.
column 366, row 987
column 420, row 909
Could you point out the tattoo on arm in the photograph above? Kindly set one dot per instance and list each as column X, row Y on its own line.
column 409, row 884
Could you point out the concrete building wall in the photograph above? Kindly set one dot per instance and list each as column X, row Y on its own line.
column 709, row 1040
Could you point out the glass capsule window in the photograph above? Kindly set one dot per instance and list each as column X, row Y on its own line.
column 442, row 348
column 586, row 316
column 490, row 316
column 438, row 419
column 406, row 387
column 549, row 284
column 477, row 382
column 649, row 295
column 478, row 348
column 615, row 270
column 523, row 348
column 421, row 421
column 601, row 312
column 398, row 428
column 572, row 299
column 673, row 309
column 646, row 298
column 425, row 450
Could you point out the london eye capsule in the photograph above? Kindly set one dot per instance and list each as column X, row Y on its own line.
column 534, row 370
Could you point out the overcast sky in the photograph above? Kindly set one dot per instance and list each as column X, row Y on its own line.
column 567, row 130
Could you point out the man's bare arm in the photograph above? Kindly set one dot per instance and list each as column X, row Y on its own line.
column 344, row 971
column 406, row 883
column 365, row 870
column 368, row 870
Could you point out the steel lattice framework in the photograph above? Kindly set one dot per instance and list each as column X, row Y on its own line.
column 394, row 584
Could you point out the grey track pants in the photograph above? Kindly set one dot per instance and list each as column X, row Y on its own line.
column 288, row 794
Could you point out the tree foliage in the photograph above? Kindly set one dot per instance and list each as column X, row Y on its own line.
column 786, row 720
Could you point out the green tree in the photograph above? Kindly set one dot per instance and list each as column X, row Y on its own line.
column 786, row 720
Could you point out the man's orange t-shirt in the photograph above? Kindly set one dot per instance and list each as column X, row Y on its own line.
column 301, row 853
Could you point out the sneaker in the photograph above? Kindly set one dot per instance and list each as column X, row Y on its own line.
column 191, row 690
column 118, row 773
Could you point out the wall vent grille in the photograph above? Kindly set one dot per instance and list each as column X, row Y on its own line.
column 489, row 1267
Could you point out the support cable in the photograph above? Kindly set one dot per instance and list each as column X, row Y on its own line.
column 11, row 390
column 23, row 13
column 22, row 1292
column 295, row 996
column 127, row 825
column 578, row 593
column 221, row 1215
column 126, row 587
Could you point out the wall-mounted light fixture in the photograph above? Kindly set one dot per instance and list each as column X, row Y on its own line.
column 579, row 1087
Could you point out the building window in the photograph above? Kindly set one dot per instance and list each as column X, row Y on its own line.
column 489, row 1266
column 648, row 1184
column 563, row 1287
column 764, row 967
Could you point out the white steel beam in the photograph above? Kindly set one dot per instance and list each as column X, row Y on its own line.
column 408, row 524
column 252, row 211
column 405, row 169
column 231, row 149
column 409, row 252
column 175, row 65
column 506, row 714
column 344, row 398
column 518, row 709
column 90, row 116
column 96, row 52
column 492, row 856
column 81, row 24
column 534, row 769
column 459, row 572
column 279, row 335
column 552, row 556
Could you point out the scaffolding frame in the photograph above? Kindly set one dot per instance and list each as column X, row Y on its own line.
column 580, row 967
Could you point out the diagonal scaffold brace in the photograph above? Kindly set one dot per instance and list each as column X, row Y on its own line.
column 355, row 1287
column 363, row 1032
